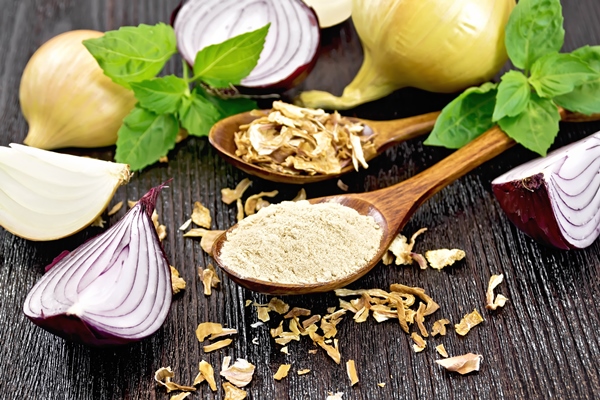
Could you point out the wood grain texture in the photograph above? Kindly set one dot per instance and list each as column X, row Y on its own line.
column 543, row 344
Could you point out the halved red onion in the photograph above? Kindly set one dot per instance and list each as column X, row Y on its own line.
column 290, row 49
column 113, row 289
column 556, row 199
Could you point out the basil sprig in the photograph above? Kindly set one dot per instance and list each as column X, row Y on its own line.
column 524, row 103
column 134, row 56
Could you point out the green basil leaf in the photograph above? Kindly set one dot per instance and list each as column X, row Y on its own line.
column 464, row 118
column 144, row 137
column 584, row 98
column 513, row 95
column 197, row 114
column 534, row 28
column 161, row 95
column 229, row 62
column 555, row 74
column 536, row 127
column 133, row 53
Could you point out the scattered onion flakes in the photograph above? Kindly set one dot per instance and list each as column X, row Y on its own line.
column 282, row 372
column 208, row 237
column 342, row 185
column 233, row 393
column 335, row 396
column 402, row 249
column 217, row 345
column 439, row 327
column 419, row 344
column 500, row 300
column 351, row 371
column 163, row 377
column 228, row 196
column 303, row 371
column 177, row 282
column 206, row 373
column 441, row 350
column 441, row 258
column 462, row 364
column 180, row 396
column 201, row 215
column 240, row 373
column 185, row 225
column 300, row 196
column 161, row 230
column 115, row 209
column 467, row 322
column 296, row 141
column 209, row 278
column 251, row 205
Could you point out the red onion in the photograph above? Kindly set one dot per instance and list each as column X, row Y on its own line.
column 111, row 290
column 290, row 49
column 556, row 199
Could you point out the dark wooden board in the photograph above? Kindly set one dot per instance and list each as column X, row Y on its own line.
column 543, row 344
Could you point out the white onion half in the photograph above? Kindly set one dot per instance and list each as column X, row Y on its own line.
column 291, row 44
column 46, row 195
column 556, row 199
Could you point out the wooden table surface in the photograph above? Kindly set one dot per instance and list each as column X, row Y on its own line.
column 543, row 344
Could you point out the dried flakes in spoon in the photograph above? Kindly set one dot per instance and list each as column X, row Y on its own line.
column 302, row 141
column 163, row 377
column 462, row 364
column 500, row 300
column 467, row 322
column 201, row 215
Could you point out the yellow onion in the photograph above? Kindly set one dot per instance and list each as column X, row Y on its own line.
column 436, row 45
column 66, row 98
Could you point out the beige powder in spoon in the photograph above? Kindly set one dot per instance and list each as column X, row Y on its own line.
column 298, row 242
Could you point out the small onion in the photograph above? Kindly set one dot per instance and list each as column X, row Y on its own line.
column 113, row 289
column 66, row 98
column 556, row 199
column 290, row 49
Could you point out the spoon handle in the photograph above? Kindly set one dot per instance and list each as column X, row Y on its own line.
column 400, row 130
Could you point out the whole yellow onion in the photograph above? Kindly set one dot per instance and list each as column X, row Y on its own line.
column 66, row 98
column 437, row 45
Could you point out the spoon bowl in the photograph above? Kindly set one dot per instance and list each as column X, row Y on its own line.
column 393, row 206
column 386, row 134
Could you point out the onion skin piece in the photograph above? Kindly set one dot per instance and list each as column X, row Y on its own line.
column 112, row 290
column 556, row 199
column 293, row 79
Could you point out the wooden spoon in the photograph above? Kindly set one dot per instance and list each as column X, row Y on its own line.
column 387, row 133
column 393, row 206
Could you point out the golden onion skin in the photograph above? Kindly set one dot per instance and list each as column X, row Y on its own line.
column 66, row 98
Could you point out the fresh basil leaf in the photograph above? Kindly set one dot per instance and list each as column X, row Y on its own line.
column 197, row 114
column 161, row 95
column 534, row 28
column 133, row 53
column 555, row 74
column 465, row 118
column 536, row 127
column 584, row 98
column 229, row 62
column 513, row 95
column 144, row 137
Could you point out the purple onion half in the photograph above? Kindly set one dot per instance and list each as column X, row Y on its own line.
column 291, row 46
column 112, row 290
column 556, row 199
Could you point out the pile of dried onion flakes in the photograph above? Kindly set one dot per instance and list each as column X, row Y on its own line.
column 303, row 141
